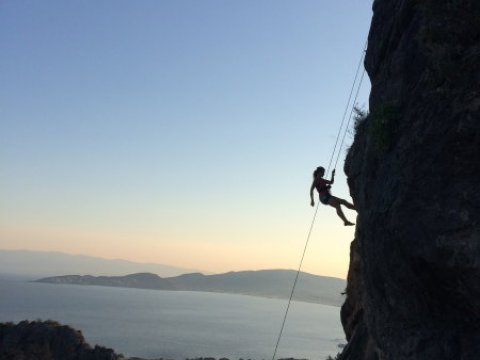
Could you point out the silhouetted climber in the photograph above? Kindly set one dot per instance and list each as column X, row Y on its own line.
column 323, row 188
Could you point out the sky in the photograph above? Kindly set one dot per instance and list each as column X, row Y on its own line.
column 182, row 132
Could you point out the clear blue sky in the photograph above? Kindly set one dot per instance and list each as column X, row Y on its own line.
column 182, row 132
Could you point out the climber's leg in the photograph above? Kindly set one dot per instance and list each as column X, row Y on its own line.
column 347, row 204
column 336, row 203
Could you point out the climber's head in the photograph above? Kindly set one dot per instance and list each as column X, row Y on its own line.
column 319, row 171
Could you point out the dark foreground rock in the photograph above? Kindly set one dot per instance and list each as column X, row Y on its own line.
column 414, row 174
column 208, row 358
column 48, row 340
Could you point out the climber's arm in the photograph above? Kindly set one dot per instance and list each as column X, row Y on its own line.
column 333, row 177
column 312, row 203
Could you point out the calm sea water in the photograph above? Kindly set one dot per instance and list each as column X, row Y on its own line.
column 177, row 325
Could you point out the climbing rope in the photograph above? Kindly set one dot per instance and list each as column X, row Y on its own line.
column 318, row 203
column 295, row 283
column 349, row 118
column 347, row 106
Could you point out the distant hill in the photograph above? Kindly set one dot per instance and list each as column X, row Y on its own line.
column 40, row 263
column 264, row 283
column 48, row 340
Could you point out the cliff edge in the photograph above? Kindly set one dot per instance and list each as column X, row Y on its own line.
column 414, row 174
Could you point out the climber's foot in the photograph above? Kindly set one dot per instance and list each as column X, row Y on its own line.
column 348, row 223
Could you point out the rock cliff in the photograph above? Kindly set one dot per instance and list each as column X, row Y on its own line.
column 414, row 174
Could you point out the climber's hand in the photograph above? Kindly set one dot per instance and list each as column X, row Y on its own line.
column 312, row 203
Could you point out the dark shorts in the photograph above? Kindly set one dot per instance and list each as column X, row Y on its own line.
column 325, row 198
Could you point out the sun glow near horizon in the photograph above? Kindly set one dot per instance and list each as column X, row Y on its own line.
column 327, row 253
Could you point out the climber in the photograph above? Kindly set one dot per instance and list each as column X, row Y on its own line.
column 323, row 188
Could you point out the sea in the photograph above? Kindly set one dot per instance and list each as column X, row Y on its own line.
column 178, row 324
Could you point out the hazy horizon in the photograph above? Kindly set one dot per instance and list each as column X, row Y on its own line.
column 176, row 132
column 180, row 271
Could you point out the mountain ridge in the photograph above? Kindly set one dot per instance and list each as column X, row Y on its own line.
column 271, row 283
column 49, row 263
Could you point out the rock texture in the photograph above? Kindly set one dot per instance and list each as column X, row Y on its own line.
column 414, row 174
column 38, row 340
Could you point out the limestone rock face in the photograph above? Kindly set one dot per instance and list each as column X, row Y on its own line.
column 414, row 174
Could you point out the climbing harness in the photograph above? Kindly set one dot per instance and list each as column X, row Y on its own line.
column 324, row 188
column 328, row 169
